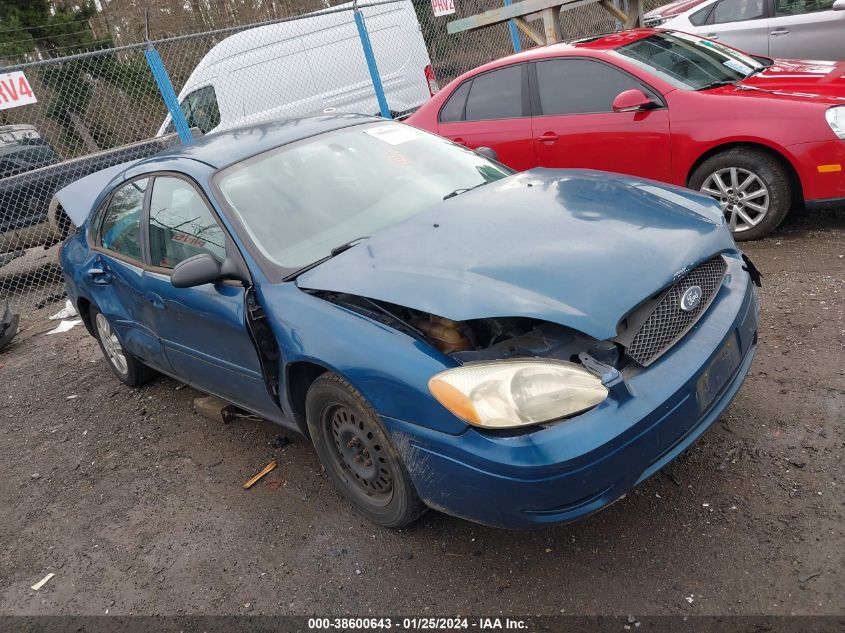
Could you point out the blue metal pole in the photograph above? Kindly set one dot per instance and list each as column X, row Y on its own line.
column 167, row 93
column 371, row 62
column 517, row 47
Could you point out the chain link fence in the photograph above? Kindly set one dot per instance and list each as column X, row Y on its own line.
column 103, row 108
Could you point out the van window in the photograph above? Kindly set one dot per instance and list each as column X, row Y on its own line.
column 200, row 110
column 496, row 95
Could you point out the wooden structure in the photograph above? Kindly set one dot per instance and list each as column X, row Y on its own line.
column 524, row 11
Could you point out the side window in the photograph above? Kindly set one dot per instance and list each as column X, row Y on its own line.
column 496, row 95
column 181, row 225
column 799, row 7
column 120, row 230
column 737, row 11
column 579, row 86
column 700, row 17
column 201, row 110
column 453, row 110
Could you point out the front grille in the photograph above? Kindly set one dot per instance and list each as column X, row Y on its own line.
column 668, row 322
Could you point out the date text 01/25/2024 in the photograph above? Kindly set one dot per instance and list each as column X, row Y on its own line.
column 418, row 624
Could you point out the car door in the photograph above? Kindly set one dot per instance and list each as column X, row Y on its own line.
column 491, row 110
column 115, row 272
column 743, row 24
column 574, row 124
column 807, row 29
column 203, row 329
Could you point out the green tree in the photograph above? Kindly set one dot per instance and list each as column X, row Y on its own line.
column 38, row 28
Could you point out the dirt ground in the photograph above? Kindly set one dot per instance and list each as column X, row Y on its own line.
column 135, row 502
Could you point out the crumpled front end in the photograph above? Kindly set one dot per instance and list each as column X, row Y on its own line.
column 568, row 469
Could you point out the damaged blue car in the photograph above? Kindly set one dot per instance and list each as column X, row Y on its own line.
column 518, row 349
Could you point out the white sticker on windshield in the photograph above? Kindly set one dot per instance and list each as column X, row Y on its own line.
column 394, row 134
column 737, row 66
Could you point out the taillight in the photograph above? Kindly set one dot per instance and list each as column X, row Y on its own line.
column 433, row 88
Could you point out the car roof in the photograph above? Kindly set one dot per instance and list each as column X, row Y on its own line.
column 227, row 147
column 599, row 43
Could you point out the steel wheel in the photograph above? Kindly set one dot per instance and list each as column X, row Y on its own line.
column 111, row 345
column 357, row 451
column 742, row 196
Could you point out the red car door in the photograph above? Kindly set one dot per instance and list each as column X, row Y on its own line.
column 492, row 110
column 574, row 124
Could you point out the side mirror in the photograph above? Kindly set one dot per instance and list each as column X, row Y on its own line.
column 196, row 271
column 489, row 152
column 839, row 5
column 635, row 100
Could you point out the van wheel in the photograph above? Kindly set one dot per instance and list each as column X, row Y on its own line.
column 125, row 366
column 752, row 188
column 357, row 455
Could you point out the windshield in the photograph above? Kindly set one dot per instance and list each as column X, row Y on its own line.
column 687, row 61
column 300, row 201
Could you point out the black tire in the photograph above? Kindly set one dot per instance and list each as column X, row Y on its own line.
column 770, row 172
column 344, row 428
column 134, row 373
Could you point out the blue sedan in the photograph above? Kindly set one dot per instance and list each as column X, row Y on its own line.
column 518, row 349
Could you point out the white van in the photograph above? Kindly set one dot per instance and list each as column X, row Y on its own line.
column 307, row 66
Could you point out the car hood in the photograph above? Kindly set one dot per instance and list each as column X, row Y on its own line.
column 801, row 79
column 578, row 248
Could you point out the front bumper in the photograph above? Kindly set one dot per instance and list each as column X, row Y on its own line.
column 821, row 168
column 575, row 467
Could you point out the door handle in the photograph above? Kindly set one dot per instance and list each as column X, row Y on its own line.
column 548, row 137
column 155, row 300
column 459, row 141
column 712, row 36
column 99, row 276
column 780, row 31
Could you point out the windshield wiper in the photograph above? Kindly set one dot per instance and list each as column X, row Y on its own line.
column 457, row 192
column 717, row 84
column 337, row 250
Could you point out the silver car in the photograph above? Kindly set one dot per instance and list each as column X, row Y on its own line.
column 791, row 29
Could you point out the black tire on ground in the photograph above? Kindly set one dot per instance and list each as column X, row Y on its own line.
column 357, row 454
column 132, row 371
column 771, row 173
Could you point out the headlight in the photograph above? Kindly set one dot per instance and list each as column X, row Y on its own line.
column 836, row 120
column 507, row 394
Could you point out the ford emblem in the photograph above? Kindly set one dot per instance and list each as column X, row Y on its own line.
column 691, row 298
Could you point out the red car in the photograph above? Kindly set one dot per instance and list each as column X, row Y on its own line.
column 759, row 135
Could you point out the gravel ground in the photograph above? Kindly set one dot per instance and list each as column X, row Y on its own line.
column 135, row 502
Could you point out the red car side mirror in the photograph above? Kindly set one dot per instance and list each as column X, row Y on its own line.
column 633, row 100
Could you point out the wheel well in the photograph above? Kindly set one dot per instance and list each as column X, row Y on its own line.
column 794, row 180
column 300, row 375
column 83, row 307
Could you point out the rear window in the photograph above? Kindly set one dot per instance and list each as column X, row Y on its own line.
column 700, row 17
column 737, row 11
column 454, row 108
column 496, row 95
